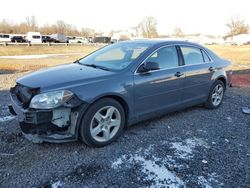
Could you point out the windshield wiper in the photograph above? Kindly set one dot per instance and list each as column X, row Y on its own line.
column 96, row 66
column 76, row 61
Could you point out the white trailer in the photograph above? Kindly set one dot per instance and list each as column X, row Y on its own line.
column 34, row 37
column 5, row 38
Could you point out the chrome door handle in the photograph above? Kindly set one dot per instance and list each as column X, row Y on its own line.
column 179, row 74
column 211, row 69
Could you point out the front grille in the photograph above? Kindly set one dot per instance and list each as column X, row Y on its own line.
column 23, row 94
column 29, row 117
column 38, row 117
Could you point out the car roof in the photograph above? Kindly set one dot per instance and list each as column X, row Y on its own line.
column 162, row 42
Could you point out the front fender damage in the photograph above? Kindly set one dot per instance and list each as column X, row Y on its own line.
column 59, row 125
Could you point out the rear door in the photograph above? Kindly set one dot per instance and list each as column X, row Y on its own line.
column 159, row 89
column 198, row 68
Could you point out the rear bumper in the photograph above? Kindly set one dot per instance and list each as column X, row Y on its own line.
column 37, row 125
column 229, row 78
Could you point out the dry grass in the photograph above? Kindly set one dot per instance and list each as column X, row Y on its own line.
column 239, row 55
column 72, row 53
column 29, row 50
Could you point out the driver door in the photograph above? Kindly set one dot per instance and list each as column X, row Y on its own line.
column 159, row 89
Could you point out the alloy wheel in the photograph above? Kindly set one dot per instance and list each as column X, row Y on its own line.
column 217, row 94
column 105, row 123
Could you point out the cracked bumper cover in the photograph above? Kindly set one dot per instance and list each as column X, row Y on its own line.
column 37, row 125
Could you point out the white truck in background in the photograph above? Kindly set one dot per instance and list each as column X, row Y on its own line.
column 34, row 37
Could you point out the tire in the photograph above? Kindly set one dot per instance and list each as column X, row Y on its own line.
column 216, row 95
column 102, row 123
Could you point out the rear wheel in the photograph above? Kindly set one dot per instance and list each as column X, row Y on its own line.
column 102, row 123
column 216, row 95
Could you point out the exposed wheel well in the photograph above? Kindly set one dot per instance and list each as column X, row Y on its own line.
column 223, row 80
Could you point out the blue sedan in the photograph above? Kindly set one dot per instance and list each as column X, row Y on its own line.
column 95, row 97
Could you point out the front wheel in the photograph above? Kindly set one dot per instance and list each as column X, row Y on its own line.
column 216, row 95
column 102, row 123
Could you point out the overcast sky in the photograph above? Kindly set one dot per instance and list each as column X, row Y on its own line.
column 205, row 16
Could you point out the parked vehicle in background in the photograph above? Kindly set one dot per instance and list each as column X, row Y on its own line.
column 73, row 40
column 34, row 37
column 113, row 41
column 78, row 40
column 60, row 38
column 5, row 38
column 241, row 39
column 17, row 39
column 102, row 39
column 46, row 39
column 94, row 98
column 90, row 39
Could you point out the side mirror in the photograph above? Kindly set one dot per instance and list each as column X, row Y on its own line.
column 148, row 66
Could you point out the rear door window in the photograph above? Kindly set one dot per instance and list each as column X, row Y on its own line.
column 192, row 55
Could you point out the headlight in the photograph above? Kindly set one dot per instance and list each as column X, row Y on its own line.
column 50, row 100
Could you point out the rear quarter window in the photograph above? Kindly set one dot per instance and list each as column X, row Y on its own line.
column 205, row 56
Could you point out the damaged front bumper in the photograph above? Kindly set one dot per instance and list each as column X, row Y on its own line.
column 53, row 125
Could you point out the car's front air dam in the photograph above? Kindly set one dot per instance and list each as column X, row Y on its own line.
column 56, row 125
column 48, row 132
column 53, row 138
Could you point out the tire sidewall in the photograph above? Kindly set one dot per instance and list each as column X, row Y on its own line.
column 87, row 117
column 209, row 103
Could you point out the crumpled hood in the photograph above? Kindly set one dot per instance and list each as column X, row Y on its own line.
column 63, row 76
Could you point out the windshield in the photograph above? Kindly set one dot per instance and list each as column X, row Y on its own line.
column 116, row 56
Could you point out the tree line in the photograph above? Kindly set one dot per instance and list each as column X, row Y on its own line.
column 147, row 28
column 31, row 24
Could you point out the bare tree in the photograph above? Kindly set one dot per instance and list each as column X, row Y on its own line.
column 178, row 33
column 88, row 32
column 237, row 26
column 4, row 26
column 60, row 27
column 31, row 23
column 148, row 27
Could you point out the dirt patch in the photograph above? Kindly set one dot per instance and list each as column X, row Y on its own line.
column 241, row 79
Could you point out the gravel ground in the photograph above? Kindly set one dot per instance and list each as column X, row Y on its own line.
column 195, row 147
